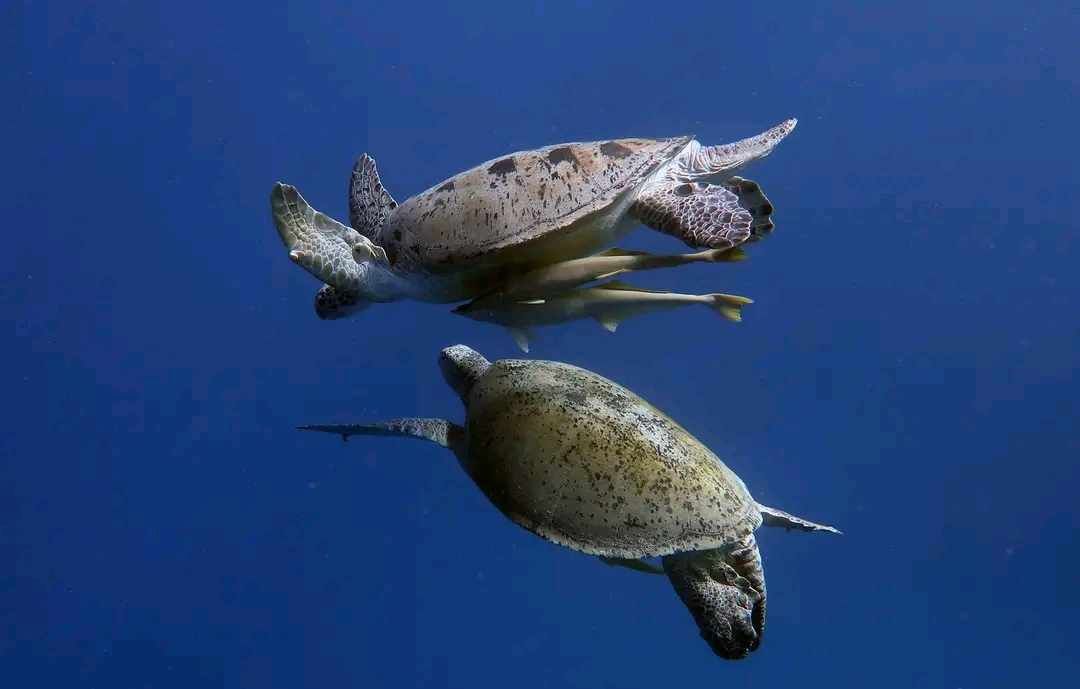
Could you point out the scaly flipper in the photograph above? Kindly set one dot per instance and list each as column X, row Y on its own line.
column 438, row 431
column 724, row 590
column 717, row 216
column 715, row 164
column 770, row 516
column 370, row 204
column 318, row 243
column 700, row 201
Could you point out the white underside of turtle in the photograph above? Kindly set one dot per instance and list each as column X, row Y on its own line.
column 530, row 224
column 585, row 463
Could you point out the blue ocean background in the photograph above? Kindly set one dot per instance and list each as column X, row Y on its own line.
column 907, row 372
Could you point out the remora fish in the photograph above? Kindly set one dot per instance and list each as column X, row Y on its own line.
column 559, row 277
column 609, row 304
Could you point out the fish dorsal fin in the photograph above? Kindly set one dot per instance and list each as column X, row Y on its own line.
column 620, row 285
column 608, row 322
column 521, row 338
column 621, row 252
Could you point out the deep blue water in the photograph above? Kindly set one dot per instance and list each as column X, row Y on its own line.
column 908, row 371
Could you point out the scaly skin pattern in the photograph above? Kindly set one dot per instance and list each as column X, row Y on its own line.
column 370, row 204
column 509, row 202
column 724, row 590
column 585, row 463
column 698, row 200
column 702, row 215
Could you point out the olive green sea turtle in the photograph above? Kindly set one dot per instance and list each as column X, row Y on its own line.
column 583, row 462
column 468, row 235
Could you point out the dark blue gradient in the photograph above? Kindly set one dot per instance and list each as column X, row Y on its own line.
column 907, row 371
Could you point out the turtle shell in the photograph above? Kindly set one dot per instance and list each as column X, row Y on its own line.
column 479, row 215
column 583, row 462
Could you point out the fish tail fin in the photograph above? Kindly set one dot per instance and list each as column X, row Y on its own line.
column 728, row 305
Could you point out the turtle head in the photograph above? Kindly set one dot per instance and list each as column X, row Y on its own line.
column 461, row 367
column 332, row 303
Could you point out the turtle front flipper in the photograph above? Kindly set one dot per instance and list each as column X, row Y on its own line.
column 715, row 216
column 439, row 431
column 716, row 163
column 724, row 590
column 770, row 516
column 319, row 244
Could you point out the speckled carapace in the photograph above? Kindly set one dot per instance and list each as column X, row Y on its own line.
column 518, row 198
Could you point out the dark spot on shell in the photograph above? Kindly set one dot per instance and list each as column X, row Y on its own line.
column 576, row 396
column 503, row 167
column 684, row 190
column 397, row 235
column 563, row 154
column 448, row 186
column 613, row 149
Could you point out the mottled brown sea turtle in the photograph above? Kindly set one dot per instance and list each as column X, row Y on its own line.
column 468, row 235
column 583, row 462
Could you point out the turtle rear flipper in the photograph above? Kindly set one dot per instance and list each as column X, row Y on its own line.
column 370, row 204
column 714, row 216
column 724, row 590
